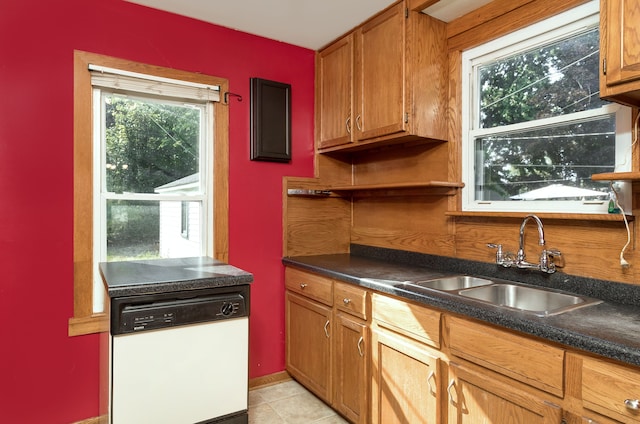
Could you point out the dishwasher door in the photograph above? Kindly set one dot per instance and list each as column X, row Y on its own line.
column 181, row 375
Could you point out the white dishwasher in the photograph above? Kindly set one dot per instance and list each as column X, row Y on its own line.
column 180, row 358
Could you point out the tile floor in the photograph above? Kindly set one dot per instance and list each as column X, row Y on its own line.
column 289, row 403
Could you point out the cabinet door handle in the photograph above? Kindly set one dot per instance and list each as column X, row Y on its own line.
column 449, row 387
column 326, row 331
column 346, row 300
column 358, row 125
column 633, row 404
column 303, row 285
column 348, row 124
column 430, row 377
column 360, row 341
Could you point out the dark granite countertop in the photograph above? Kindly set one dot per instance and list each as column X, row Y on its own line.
column 610, row 329
column 152, row 276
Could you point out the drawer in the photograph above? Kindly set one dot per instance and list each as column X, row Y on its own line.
column 414, row 321
column 524, row 359
column 310, row 285
column 350, row 299
column 606, row 387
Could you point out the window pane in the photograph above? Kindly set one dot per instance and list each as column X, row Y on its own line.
column 149, row 143
column 552, row 80
column 133, row 229
column 514, row 164
column 149, row 229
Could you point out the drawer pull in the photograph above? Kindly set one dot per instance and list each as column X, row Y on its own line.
column 346, row 300
column 326, row 331
column 633, row 404
column 303, row 285
column 449, row 387
column 431, row 376
column 360, row 340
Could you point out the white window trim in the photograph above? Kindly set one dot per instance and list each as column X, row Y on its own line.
column 573, row 21
column 100, row 195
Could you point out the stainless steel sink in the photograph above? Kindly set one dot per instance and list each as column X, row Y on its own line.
column 540, row 302
column 454, row 283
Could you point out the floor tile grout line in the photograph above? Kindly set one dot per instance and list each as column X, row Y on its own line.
column 297, row 390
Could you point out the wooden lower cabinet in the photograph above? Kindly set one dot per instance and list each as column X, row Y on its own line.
column 474, row 396
column 308, row 344
column 327, row 341
column 573, row 418
column 405, row 380
column 379, row 359
column 351, row 368
column 611, row 389
column 525, row 359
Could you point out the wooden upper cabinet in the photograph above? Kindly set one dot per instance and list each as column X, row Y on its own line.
column 620, row 50
column 380, row 70
column 335, row 70
column 383, row 83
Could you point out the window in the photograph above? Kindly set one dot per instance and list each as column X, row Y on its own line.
column 534, row 126
column 148, row 158
column 150, row 152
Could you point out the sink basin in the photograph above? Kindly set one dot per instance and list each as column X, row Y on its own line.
column 454, row 283
column 540, row 302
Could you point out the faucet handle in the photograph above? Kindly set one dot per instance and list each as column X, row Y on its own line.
column 499, row 254
column 506, row 259
column 556, row 257
column 547, row 263
column 495, row 246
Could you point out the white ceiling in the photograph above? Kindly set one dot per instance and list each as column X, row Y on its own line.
column 305, row 23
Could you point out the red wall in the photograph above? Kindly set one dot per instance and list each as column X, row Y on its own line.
column 46, row 376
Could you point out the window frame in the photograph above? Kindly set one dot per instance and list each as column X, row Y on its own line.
column 84, row 320
column 564, row 24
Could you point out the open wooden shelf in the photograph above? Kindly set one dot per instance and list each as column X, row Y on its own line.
column 377, row 143
column 616, row 176
column 614, row 217
column 426, row 184
column 444, row 188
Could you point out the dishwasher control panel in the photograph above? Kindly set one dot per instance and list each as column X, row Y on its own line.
column 141, row 313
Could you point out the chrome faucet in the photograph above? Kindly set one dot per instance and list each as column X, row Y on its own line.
column 546, row 263
column 520, row 257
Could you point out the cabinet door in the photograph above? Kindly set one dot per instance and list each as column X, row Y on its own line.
column 351, row 357
column 308, row 347
column 611, row 389
column 380, row 76
column 575, row 418
column 335, row 93
column 622, row 40
column 405, row 380
column 476, row 397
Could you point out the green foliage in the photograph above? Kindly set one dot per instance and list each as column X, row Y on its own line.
column 149, row 144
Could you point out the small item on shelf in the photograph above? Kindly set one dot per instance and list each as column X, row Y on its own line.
column 612, row 204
